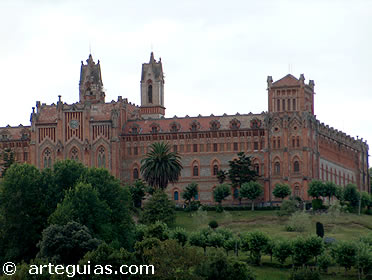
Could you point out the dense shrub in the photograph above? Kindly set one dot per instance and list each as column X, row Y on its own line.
column 213, row 224
column 304, row 274
column 288, row 207
column 255, row 242
column 282, row 250
column 317, row 204
column 299, row 222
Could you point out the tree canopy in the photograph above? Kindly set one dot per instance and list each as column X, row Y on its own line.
column 251, row 190
column 161, row 166
column 241, row 170
column 281, row 191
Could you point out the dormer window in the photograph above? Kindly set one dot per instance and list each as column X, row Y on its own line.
column 194, row 126
column 214, row 125
column 154, row 129
column 134, row 130
column 234, row 124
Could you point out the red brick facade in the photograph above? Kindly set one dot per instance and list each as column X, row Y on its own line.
column 287, row 143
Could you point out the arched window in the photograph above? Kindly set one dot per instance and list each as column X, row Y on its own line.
column 101, row 158
column 74, row 154
column 135, row 173
column 47, row 157
column 256, row 168
column 175, row 195
column 194, row 127
column 297, row 191
column 215, row 169
column 236, row 193
column 149, row 93
column 296, row 166
column 277, row 168
column 195, row 170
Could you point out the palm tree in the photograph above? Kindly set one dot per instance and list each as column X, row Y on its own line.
column 161, row 166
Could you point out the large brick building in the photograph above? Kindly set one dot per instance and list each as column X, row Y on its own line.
column 287, row 143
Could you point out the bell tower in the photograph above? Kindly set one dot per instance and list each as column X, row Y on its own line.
column 90, row 85
column 152, row 89
column 290, row 94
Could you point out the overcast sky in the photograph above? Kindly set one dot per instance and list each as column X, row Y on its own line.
column 216, row 54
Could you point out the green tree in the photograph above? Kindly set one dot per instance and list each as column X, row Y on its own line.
column 158, row 208
column 351, row 195
column 329, row 190
column 190, row 192
column 82, row 205
column 365, row 199
column 345, row 254
column 221, row 192
column 22, row 212
column 173, row 261
column 66, row 244
column 161, row 166
column 66, row 174
column 137, row 192
column 282, row 250
column 106, row 255
column 241, row 170
column 179, row 234
column 316, row 189
column 281, row 191
column 222, row 175
column 305, row 249
column 200, row 239
column 255, row 242
column 157, row 230
column 8, row 160
column 118, row 200
column 251, row 190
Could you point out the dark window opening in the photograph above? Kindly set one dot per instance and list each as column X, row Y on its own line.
column 215, row 169
column 135, row 174
column 296, row 166
column 195, row 171
column 149, row 93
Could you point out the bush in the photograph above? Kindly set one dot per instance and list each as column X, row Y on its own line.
column 255, row 242
column 282, row 250
column 288, row 207
column 344, row 254
column 298, row 222
column 304, row 274
column 180, row 235
column 213, row 224
column 158, row 208
column 317, row 204
column 324, row 261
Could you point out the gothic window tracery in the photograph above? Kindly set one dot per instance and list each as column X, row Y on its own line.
column 74, row 155
column 296, row 166
column 277, row 168
column 47, row 158
column 101, row 158
column 195, row 170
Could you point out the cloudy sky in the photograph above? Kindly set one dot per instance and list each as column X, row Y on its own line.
column 216, row 54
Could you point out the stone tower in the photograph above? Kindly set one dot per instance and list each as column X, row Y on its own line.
column 290, row 94
column 90, row 85
column 152, row 89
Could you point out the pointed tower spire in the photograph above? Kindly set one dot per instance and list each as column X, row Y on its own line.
column 152, row 59
column 91, row 86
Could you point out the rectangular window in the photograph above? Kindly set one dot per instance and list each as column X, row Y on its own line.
column 215, row 149
column 188, row 148
column 195, row 148
column 201, row 147
column 294, row 105
column 293, row 142
column 289, row 105
column 175, row 148
column 222, row 147
column 182, row 148
column 208, row 147
column 235, row 146
column 278, row 143
column 135, row 151
column 298, row 142
column 228, row 148
column 242, row 146
column 255, row 146
column 283, row 103
column 278, row 105
column 129, row 151
column 274, row 144
column 25, row 156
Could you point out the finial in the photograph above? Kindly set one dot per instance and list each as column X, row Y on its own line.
column 302, row 78
column 152, row 60
column 269, row 81
column 59, row 98
column 33, row 110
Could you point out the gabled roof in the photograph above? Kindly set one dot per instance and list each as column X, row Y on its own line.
column 288, row 80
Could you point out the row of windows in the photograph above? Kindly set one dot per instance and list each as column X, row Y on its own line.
column 277, row 143
column 332, row 176
column 285, row 104
column 196, row 170
column 296, row 167
column 74, row 155
column 296, row 193
column 209, row 147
